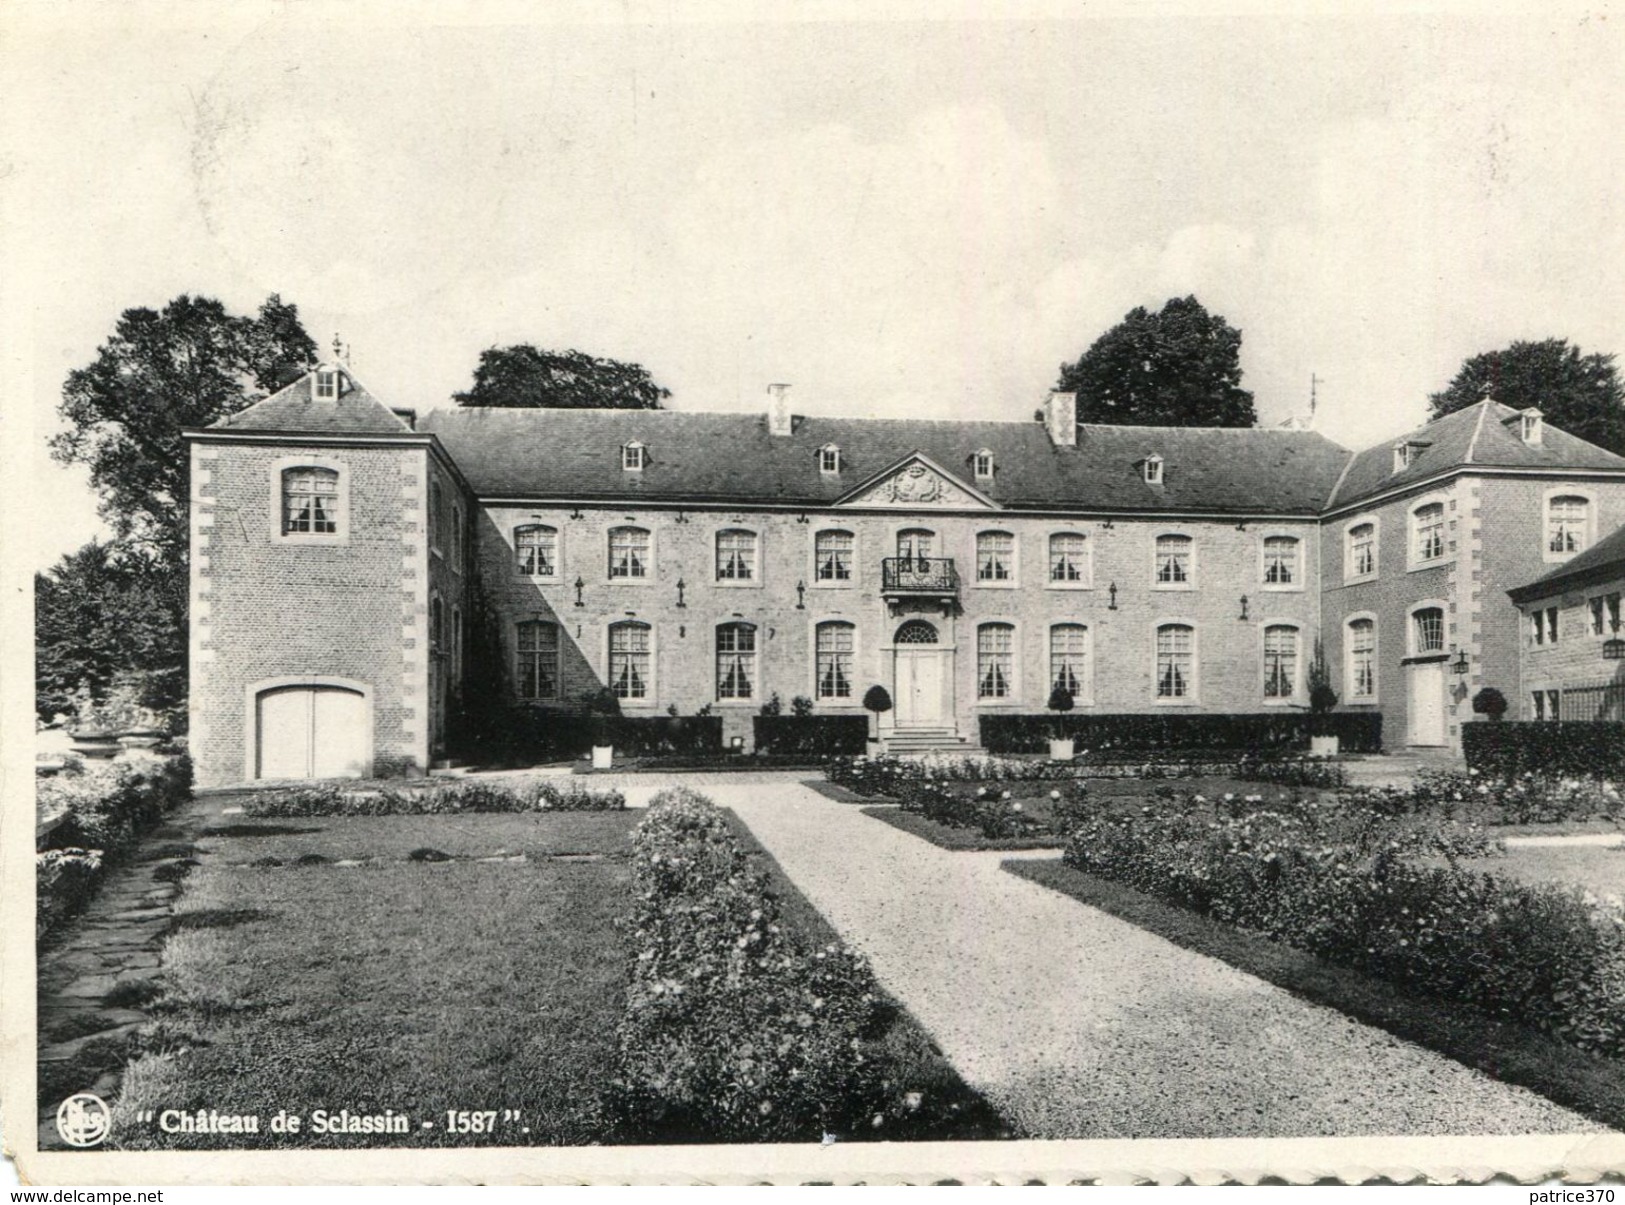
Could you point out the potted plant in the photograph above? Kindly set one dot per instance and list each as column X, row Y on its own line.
column 603, row 704
column 1060, row 702
column 98, row 725
column 1322, row 698
column 1490, row 702
column 877, row 700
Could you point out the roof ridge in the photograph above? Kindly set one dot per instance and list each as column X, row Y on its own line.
column 1331, row 497
column 1478, row 429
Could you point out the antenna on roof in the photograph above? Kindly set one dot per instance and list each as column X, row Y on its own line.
column 341, row 349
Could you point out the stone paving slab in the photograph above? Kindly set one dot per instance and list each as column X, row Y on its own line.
column 1076, row 1024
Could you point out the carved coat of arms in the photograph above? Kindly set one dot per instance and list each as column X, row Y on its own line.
column 914, row 484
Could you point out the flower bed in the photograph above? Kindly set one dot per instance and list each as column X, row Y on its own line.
column 733, row 1029
column 451, row 800
column 1291, row 771
column 1492, row 801
column 102, row 813
column 1355, row 884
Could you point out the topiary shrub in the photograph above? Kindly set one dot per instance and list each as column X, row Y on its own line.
column 1490, row 702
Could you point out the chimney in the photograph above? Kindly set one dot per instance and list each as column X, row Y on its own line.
column 779, row 420
column 1061, row 418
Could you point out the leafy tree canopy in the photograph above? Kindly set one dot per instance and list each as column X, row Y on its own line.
column 1179, row 367
column 186, row 365
column 105, row 613
column 1580, row 393
column 524, row 375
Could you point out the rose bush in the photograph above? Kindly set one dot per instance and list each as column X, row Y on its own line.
column 328, row 799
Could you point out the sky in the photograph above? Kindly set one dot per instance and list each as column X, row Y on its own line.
column 898, row 217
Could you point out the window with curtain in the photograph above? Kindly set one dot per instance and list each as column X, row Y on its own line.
column 1176, row 660
column 1069, row 658
column 629, row 553
column 537, row 668
column 310, row 501
column 1362, row 653
column 995, row 556
column 1173, row 560
column 834, row 644
column 1280, row 662
column 1280, row 560
column 1567, row 523
column 736, row 660
column 1068, row 558
column 1427, row 524
column 832, row 553
column 629, row 660
column 538, row 550
column 736, row 556
column 995, row 660
column 1362, row 550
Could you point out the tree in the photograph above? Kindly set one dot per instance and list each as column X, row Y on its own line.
column 524, row 375
column 1580, row 393
column 187, row 365
column 101, row 614
column 1179, row 367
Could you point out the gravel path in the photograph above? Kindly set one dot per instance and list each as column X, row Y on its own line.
column 1078, row 1025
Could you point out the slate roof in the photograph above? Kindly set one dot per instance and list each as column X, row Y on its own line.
column 294, row 409
column 1603, row 560
column 1485, row 434
column 732, row 457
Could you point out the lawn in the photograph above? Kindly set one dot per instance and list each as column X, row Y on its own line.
column 420, row 987
column 1598, row 869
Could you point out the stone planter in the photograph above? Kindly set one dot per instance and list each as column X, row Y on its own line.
column 603, row 757
column 1061, row 750
column 1324, row 746
column 95, row 744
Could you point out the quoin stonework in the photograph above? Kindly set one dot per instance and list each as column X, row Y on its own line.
column 688, row 560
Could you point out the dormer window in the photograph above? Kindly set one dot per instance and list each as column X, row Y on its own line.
column 1530, row 424
column 1153, row 469
column 829, row 459
column 327, row 385
column 1402, row 456
column 982, row 465
column 633, row 457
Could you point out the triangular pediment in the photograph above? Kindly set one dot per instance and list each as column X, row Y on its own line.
column 914, row 483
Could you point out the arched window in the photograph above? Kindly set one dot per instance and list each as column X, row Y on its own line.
column 832, row 555
column 1281, row 556
column 1360, row 552
column 1280, row 662
column 736, row 660
column 629, row 660
column 310, row 502
column 537, row 663
column 1361, row 643
column 538, row 549
column 1176, row 661
column 1069, row 659
column 995, row 558
column 437, row 518
column 736, row 555
column 1069, row 559
column 1173, row 560
column 915, row 631
column 1427, row 532
column 1568, row 524
column 1427, row 630
column 629, row 553
column 916, row 544
column 833, row 644
column 995, row 660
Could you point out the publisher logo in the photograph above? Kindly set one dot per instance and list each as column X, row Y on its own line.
column 83, row 1119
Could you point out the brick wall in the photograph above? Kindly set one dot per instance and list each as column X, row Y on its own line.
column 264, row 609
column 1228, row 564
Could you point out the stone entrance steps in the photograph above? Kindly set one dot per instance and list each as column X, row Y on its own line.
column 927, row 740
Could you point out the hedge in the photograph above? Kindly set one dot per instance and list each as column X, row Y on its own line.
column 1587, row 748
column 1363, row 889
column 734, row 1028
column 1131, row 735
column 463, row 798
column 813, row 737
column 528, row 736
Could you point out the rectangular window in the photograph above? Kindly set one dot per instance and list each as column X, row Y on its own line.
column 1428, row 627
column 1363, row 550
column 632, row 457
column 995, row 661
column 1554, row 710
column 629, row 660
column 327, row 385
column 1280, row 561
column 834, row 653
column 1551, row 625
column 310, row 502
column 1598, row 624
column 1175, row 661
column 832, row 550
column 1173, row 560
column 736, row 556
column 1538, row 698
column 1429, row 522
column 629, row 553
column 538, row 667
column 1362, row 659
column 1280, row 662
column 1068, row 658
column 1613, row 613
column 1066, row 559
column 538, row 551
column 736, row 661
column 995, row 556
column 1566, row 523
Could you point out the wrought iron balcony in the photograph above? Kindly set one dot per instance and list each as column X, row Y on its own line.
column 928, row 576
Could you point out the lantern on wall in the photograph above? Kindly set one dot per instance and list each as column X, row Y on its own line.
column 1459, row 665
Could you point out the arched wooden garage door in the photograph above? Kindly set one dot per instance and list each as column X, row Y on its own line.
column 312, row 732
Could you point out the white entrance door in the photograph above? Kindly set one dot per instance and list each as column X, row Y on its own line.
column 922, row 682
column 312, row 732
column 1426, row 699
